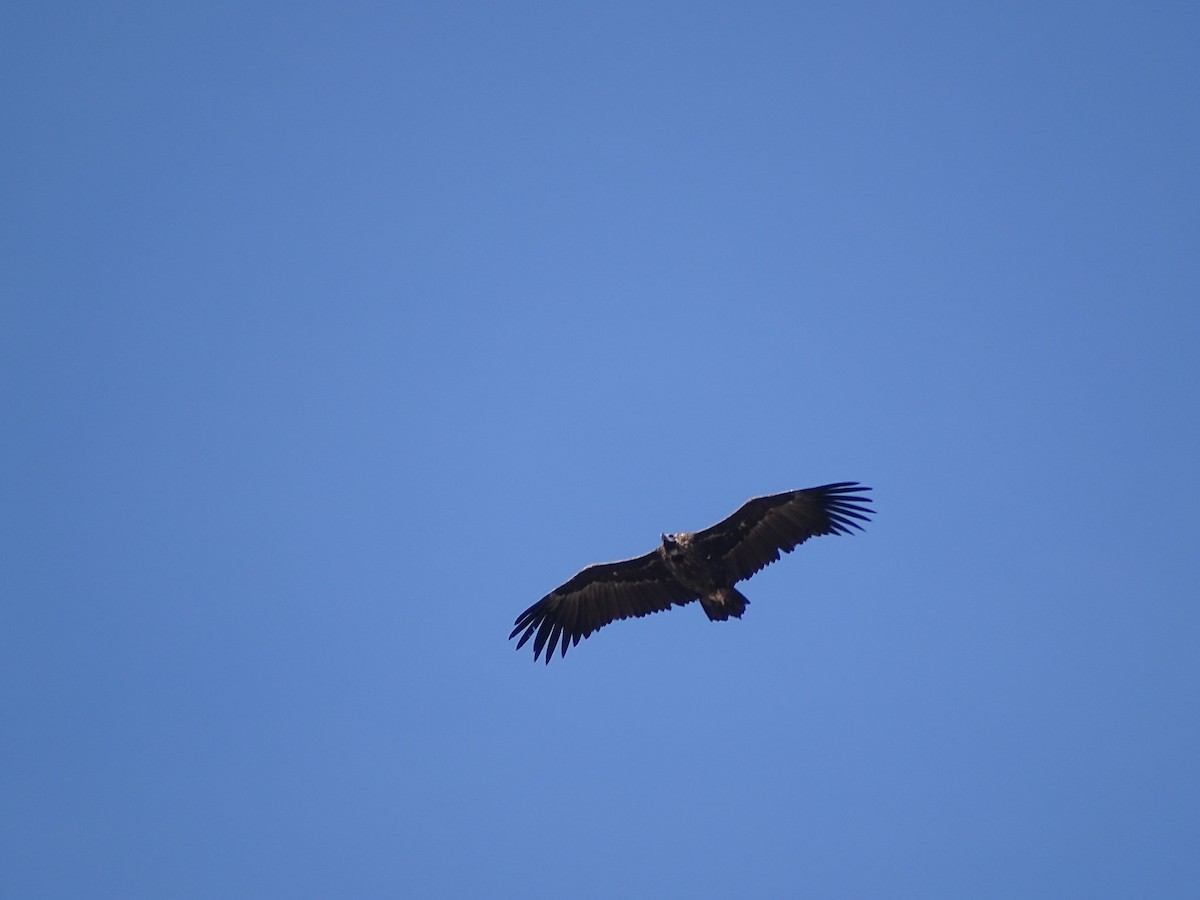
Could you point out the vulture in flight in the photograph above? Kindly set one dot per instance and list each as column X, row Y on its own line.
column 702, row 565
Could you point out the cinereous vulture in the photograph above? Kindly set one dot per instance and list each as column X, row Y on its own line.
column 702, row 565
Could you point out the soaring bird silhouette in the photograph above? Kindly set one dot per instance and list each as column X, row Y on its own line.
column 702, row 565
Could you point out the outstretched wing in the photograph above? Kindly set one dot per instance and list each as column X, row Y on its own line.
column 752, row 537
column 596, row 596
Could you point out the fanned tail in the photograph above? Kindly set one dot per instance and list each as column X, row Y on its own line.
column 724, row 603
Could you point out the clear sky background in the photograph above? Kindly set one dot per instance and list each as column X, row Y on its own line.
column 334, row 335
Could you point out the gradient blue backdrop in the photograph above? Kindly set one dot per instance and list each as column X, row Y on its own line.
column 334, row 335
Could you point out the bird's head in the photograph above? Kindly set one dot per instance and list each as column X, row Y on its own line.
column 669, row 540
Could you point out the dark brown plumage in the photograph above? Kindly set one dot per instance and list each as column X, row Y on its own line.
column 703, row 566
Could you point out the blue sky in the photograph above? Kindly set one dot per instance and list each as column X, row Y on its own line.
column 334, row 335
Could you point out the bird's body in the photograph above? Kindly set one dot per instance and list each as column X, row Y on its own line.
column 702, row 565
column 688, row 564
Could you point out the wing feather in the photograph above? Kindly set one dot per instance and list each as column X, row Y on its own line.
column 753, row 537
column 598, row 595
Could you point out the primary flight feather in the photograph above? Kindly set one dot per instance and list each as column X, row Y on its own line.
column 702, row 565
